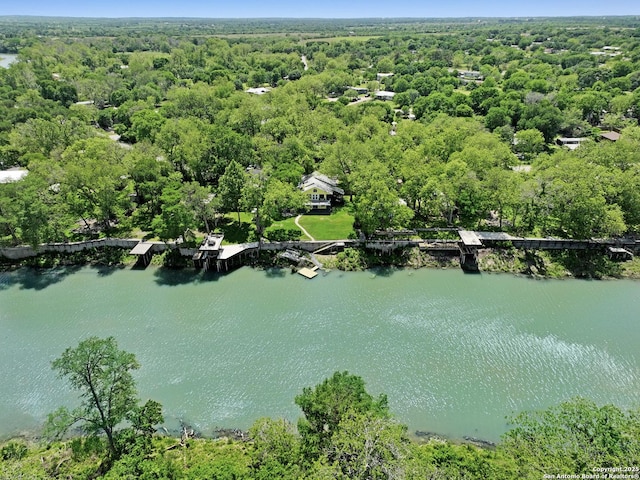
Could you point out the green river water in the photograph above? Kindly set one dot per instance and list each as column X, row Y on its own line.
column 455, row 353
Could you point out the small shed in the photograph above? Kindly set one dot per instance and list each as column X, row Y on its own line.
column 469, row 244
column 469, row 238
column 611, row 136
column 619, row 254
column 144, row 252
column 571, row 142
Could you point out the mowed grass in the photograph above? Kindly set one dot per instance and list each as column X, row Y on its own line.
column 234, row 233
column 337, row 226
column 338, row 38
column 289, row 223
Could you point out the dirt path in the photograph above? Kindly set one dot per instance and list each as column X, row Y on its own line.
column 302, row 228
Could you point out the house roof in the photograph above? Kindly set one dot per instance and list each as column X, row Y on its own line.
column 141, row 248
column 318, row 180
column 384, row 94
column 570, row 142
column 12, row 175
column 258, row 90
column 613, row 136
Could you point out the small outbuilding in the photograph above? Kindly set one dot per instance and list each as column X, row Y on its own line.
column 570, row 142
column 619, row 254
column 384, row 95
column 208, row 251
column 144, row 252
column 611, row 136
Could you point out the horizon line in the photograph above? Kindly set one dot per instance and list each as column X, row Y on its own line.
column 524, row 17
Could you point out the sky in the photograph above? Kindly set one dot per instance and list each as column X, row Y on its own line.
column 318, row 8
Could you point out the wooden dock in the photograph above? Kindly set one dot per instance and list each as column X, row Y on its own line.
column 308, row 272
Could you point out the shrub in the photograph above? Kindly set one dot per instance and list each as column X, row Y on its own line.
column 14, row 451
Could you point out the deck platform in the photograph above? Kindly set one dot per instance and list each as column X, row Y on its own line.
column 308, row 272
column 469, row 238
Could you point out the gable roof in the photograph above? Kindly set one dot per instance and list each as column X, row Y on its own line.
column 318, row 180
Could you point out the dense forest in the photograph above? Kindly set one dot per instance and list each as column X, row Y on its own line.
column 344, row 433
column 467, row 137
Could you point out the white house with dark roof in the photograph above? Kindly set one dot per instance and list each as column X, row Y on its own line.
column 384, row 95
column 323, row 192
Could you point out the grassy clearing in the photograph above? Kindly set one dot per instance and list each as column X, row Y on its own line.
column 337, row 226
column 350, row 38
column 289, row 223
column 234, row 233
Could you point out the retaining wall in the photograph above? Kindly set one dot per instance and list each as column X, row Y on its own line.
column 19, row 253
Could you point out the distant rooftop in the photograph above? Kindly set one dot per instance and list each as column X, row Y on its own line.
column 12, row 175
column 613, row 136
column 258, row 91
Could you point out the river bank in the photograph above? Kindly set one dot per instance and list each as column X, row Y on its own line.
column 277, row 455
column 531, row 263
column 534, row 264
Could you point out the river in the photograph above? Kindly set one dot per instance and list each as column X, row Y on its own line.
column 7, row 59
column 455, row 353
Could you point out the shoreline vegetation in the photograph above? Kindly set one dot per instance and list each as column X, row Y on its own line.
column 534, row 264
column 538, row 442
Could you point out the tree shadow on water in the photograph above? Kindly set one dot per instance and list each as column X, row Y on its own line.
column 276, row 272
column 34, row 278
column 172, row 277
column 105, row 271
column 383, row 271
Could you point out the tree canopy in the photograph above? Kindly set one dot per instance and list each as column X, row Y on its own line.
column 102, row 375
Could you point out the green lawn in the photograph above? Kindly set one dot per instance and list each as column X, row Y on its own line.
column 234, row 233
column 336, row 226
column 289, row 223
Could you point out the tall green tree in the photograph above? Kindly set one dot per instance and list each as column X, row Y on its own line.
column 270, row 199
column 529, row 143
column 275, row 451
column 94, row 182
column 326, row 405
column 231, row 185
column 175, row 216
column 377, row 205
column 368, row 446
column 101, row 373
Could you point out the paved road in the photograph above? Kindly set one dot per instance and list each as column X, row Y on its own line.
column 303, row 230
